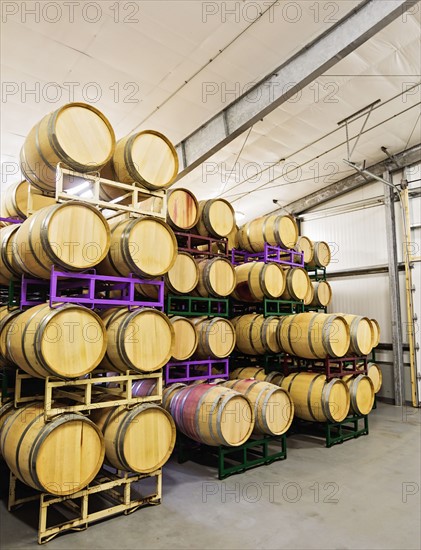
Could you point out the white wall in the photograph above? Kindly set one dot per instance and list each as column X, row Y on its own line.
column 357, row 235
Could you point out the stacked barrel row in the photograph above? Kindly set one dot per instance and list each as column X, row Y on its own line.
column 222, row 412
column 311, row 336
column 71, row 341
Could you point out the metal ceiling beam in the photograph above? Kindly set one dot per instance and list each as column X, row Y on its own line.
column 284, row 82
column 405, row 158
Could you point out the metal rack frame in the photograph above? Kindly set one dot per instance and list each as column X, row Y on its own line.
column 188, row 242
column 116, row 488
column 333, row 433
column 192, row 306
column 283, row 256
column 81, row 391
column 257, row 451
column 65, row 282
column 186, row 371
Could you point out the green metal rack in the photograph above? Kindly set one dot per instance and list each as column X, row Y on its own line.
column 317, row 273
column 234, row 460
column 267, row 307
column 192, row 306
column 333, row 433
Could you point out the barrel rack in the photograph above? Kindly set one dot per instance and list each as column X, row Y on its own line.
column 191, row 371
column 81, row 392
column 84, row 288
column 286, row 257
column 333, row 433
column 120, row 489
column 128, row 202
column 189, row 242
column 317, row 273
column 192, row 306
column 257, row 451
column 268, row 307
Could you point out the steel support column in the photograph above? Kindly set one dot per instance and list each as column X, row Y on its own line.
column 395, row 306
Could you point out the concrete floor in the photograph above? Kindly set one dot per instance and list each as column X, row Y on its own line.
column 355, row 495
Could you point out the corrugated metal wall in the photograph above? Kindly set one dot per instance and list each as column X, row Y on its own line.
column 355, row 226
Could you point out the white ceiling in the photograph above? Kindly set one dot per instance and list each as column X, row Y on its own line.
column 163, row 61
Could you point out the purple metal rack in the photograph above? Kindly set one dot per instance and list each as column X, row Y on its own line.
column 90, row 285
column 186, row 371
column 11, row 220
column 188, row 242
column 270, row 254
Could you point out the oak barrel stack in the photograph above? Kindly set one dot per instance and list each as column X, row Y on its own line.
column 77, row 135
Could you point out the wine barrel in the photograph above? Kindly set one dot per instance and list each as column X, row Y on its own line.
column 216, row 278
column 15, row 200
column 76, row 135
column 322, row 255
column 212, row 414
column 257, row 280
column 256, row 334
column 144, row 388
column 322, row 294
column 185, row 338
column 305, row 245
column 140, row 340
column 5, row 411
column 8, row 268
column 72, row 235
column 216, row 337
column 147, row 158
column 6, row 319
column 67, row 341
column 273, row 407
column 361, row 332
column 276, row 230
column 144, row 246
column 297, row 283
column 257, row 373
column 314, row 335
column 376, row 333
column 216, row 218
column 60, row 457
column 181, row 279
column 374, row 372
column 315, row 399
column 361, row 391
column 169, row 392
column 182, row 209
column 310, row 295
column 140, row 439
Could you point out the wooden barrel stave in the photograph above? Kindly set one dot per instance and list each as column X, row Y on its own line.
column 297, row 283
column 134, row 247
column 76, row 135
column 147, row 158
column 257, row 280
column 140, row 439
column 361, row 391
column 216, row 337
column 8, row 268
column 273, row 407
column 15, row 200
column 314, row 335
column 216, row 278
column 72, row 235
column 59, row 457
column 67, row 341
column 7, row 317
column 140, row 340
column 315, row 399
column 216, row 218
column 322, row 294
column 212, row 414
column 322, row 254
column 185, row 338
column 276, row 230
column 256, row 334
